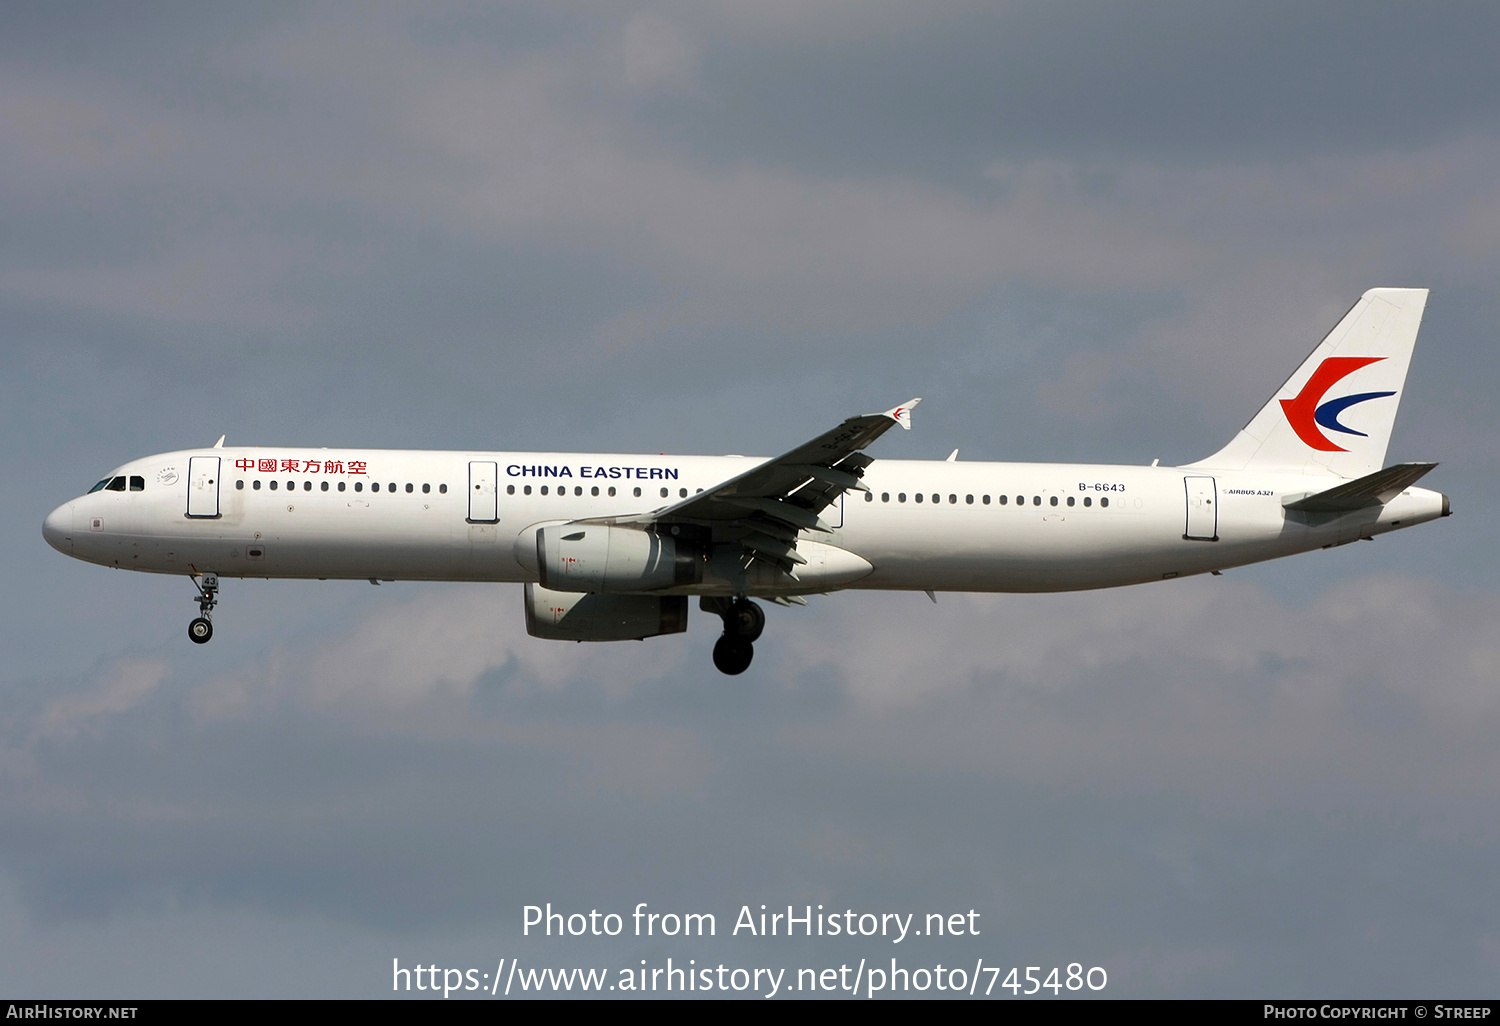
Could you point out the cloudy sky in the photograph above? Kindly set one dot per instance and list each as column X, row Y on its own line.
column 1088, row 231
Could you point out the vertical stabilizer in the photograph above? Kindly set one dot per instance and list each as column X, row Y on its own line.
column 1335, row 414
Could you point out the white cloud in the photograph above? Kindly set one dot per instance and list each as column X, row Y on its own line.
column 1381, row 693
column 658, row 54
column 511, row 150
column 127, row 684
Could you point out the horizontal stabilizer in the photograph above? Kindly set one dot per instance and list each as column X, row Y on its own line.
column 1371, row 490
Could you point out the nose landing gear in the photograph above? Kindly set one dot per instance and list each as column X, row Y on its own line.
column 743, row 623
column 202, row 628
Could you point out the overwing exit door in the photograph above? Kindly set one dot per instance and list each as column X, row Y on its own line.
column 483, row 503
column 1202, row 509
column 203, row 486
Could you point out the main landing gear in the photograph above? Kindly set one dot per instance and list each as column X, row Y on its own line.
column 743, row 622
column 202, row 628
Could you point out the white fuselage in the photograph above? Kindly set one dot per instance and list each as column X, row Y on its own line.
column 943, row 526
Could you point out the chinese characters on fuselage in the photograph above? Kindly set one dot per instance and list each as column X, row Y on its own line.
column 303, row 466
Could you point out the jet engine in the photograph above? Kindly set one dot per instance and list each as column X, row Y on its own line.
column 574, row 616
column 604, row 558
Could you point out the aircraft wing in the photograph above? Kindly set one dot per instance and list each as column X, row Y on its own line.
column 765, row 507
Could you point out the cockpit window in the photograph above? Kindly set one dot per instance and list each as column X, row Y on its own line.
column 99, row 486
column 137, row 484
column 116, row 484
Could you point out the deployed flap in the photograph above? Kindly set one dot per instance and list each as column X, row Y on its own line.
column 1371, row 490
column 1335, row 414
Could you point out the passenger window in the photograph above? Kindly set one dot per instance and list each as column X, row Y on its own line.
column 637, row 493
column 255, row 484
column 953, row 500
column 611, row 491
column 427, row 488
column 1087, row 501
column 987, row 499
column 969, row 499
column 663, row 493
column 392, row 487
column 1104, row 502
column 578, row 489
column 408, row 488
column 137, row 484
column 116, row 484
column 869, row 496
column 1020, row 500
column 442, row 489
column 526, row 490
column 594, row 490
column 900, row 496
column 509, row 489
column 1053, row 500
column 341, row 486
column 937, row 498
column 374, row 486
column 307, row 486
column 291, row 486
column 918, row 496
column 885, row 496
column 239, row 486
column 682, row 493
column 273, row 485
column 544, row 489
column 325, row 486
column 1036, row 500
column 359, row 486
column 1070, row 500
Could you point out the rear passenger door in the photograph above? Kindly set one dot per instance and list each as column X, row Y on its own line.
column 1202, row 514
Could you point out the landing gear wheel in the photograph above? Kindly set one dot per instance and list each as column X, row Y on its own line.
column 732, row 655
column 744, row 619
column 201, row 629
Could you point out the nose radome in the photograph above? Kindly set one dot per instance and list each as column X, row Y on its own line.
column 58, row 528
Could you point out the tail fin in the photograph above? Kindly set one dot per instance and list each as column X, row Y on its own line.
column 1362, row 363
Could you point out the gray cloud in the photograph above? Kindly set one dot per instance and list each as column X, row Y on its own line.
column 1079, row 232
column 429, row 768
column 942, row 93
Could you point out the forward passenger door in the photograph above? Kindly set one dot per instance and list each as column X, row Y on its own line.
column 203, row 487
column 483, row 501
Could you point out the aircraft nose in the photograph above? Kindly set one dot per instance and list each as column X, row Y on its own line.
column 58, row 528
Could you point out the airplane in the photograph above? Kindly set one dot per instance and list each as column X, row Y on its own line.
column 610, row 547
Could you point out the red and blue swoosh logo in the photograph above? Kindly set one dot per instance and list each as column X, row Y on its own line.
column 1306, row 412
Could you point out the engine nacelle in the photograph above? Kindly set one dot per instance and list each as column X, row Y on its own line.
column 573, row 616
column 603, row 558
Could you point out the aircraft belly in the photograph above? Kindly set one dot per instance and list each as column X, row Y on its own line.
column 341, row 546
column 1010, row 550
column 1063, row 549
